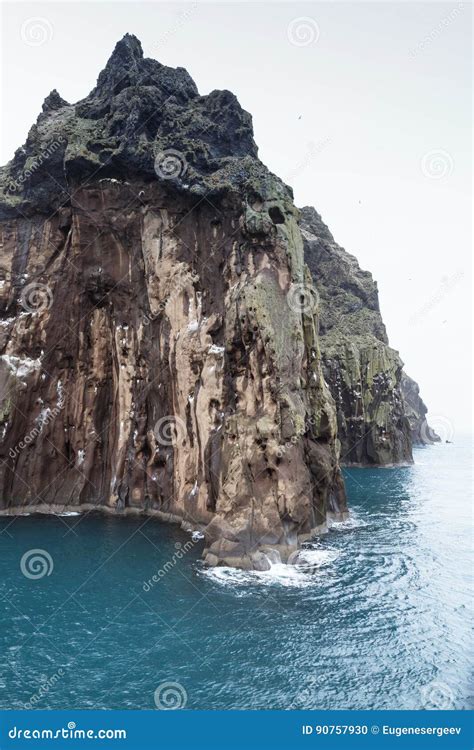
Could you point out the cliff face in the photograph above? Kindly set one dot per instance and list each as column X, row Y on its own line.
column 416, row 410
column 158, row 338
column 376, row 419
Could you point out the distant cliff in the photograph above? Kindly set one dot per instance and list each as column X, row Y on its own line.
column 379, row 411
column 416, row 410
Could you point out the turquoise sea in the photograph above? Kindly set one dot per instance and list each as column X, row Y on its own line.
column 378, row 617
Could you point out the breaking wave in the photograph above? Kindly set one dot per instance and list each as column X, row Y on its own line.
column 300, row 575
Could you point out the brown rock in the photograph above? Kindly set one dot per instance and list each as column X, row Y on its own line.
column 157, row 352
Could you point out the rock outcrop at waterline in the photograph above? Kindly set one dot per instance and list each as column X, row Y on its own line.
column 416, row 410
column 379, row 410
column 156, row 350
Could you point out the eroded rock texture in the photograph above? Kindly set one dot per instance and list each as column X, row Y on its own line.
column 157, row 350
column 416, row 410
column 379, row 410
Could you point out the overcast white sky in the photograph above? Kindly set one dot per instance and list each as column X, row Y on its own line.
column 364, row 108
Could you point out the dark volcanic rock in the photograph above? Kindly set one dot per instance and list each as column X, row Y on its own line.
column 156, row 351
column 138, row 110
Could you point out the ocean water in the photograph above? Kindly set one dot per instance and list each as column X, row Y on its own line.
column 378, row 617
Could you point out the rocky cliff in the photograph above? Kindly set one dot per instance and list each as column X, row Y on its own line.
column 379, row 410
column 416, row 410
column 158, row 327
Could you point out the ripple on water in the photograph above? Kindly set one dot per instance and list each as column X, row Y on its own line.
column 375, row 615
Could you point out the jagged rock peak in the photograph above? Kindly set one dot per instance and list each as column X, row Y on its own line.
column 128, row 67
column 54, row 101
column 123, row 60
column 128, row 49
column 138, row 110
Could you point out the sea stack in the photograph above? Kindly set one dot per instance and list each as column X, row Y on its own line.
column 158, row 325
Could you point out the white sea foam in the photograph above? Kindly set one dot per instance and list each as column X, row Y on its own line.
column 51, row 513
column 352, row 522
column 301, row 575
